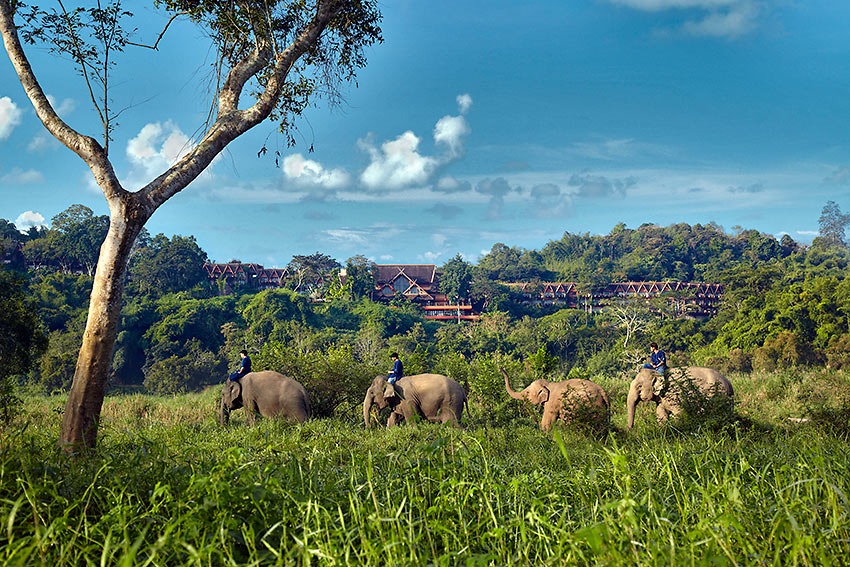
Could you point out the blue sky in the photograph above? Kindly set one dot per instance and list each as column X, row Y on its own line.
column 481, row 122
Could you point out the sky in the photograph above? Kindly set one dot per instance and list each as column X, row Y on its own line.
column 474, row 123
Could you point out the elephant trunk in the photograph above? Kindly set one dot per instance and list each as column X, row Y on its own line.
column 223, row 413
column 367, row 407
column 513, row 394
column 631, row 405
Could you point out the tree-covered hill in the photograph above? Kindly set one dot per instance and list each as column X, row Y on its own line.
column 785, row 305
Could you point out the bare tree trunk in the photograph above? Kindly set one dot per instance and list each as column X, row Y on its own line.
column 82, row 411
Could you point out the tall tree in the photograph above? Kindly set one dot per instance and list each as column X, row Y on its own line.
column 456, row 278
column 832, row 224
column 289, row 52
column 166, row 265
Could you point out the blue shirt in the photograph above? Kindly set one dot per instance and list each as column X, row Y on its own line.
column 658, row 358
column 397, row 372
column 245, row 367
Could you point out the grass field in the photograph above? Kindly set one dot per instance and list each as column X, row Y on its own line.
column 168, row 486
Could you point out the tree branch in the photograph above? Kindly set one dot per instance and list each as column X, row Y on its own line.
column 84, row 146
column 165, row 29
column 232, row 123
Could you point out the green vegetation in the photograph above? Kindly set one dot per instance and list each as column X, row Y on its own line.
column 167, row 486
column 765, row 483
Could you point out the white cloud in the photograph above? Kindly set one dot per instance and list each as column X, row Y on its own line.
column 659, row 5
column 29, row 219
column 10, row 116
column 431, row 256
column 157, row 147
column 464, row 103
column 20, row 177
column 397, row 163
column 449, row 131
column 728, row 19
column 41, row 142
column 738, row 21
column 312, row 173
column 64, row 108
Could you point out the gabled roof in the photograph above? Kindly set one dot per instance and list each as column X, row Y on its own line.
column 422, row 274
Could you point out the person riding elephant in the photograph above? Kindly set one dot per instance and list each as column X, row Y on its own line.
column 433, row 397
column 267, row 393
column 567, row 400
column 667, row 390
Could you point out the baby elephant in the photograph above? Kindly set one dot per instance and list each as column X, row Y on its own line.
column 567, row 400
column 666, row 390
column 267, row 393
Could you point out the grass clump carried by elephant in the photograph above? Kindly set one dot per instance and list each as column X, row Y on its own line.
column 696, row 392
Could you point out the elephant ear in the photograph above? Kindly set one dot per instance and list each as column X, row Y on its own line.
column 389, row 392
column 543, row 395
column 659, row 384
column 235, row 390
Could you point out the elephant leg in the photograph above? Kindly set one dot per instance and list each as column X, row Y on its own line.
column 661, row 413
column 447, row 416
column 394, row 419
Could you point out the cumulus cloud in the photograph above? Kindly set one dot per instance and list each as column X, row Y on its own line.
column 64, row 108
column 496, row 189
column 311, row 173
column 449, row 131
column 10, row 116
column 549, row 201
column 29, row 219
column 399, row 163
column 396, row 163
column 738, row 21
column 594, row 186
column 20, row 177
column 158, row 146
column 448, row 184
column 154, row 149
column 41, row 142
column 464, row 103
column 727, row 19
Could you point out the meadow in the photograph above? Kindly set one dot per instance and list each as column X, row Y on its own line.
column 167, row 485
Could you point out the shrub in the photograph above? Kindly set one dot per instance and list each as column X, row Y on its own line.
column 334, row 379
column 838, row 352
column 712, row 411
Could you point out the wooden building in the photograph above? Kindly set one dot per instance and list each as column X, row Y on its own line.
column 418, row 283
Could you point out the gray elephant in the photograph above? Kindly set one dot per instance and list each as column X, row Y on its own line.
column 433, row 397
column 267, row 393
column 567, row 400
column 666, row 390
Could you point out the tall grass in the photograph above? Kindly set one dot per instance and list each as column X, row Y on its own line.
column 167, row 486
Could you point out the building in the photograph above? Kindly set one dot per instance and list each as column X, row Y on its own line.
column 696, row 300
column 418, row 283
column 254, row 276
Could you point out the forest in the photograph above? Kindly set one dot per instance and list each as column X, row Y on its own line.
column 786, row 305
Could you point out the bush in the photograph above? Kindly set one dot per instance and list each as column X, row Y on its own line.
column 334, row 379
column 838, row 352
column 700, row 411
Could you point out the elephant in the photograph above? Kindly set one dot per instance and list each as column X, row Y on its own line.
column 267, row 393
column 565, row 400
column 434, row 397
column 665, row 390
